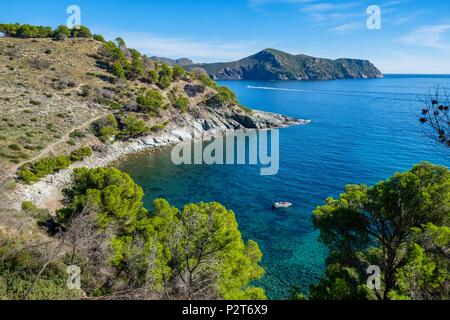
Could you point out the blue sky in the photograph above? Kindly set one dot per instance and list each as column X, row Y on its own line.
column 414, row 38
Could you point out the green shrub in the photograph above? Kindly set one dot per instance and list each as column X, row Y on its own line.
column 61, row 33
column 132, row 128
column 29, row 206
column 98, row 37
column 178, row 72
column 85, row 90
column 33, row 172
column 77, row 134
column 19, row 265
column 106, row 128
column 179, row 101
column 158, row 127
column 80, row 154
column 150, row 101
column 207, row 81
column 165, row 82
column 14, row 147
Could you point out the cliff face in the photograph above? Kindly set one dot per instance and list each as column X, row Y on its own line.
column 273, row 64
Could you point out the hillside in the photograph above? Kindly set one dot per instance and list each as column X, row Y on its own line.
column 271, row 64
column 60, row 96
column 174, row 62
column 73, row 103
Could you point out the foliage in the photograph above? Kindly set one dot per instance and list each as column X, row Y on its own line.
column 136, row 69
column 106, row 128
column 19, row 264
column 62, row 33
column 80, row 154
column 150, row 101
column 118, row 70
column 205, row 250
column 223, row 97
column 179, row 101
column 207, row 81
column 164, row 82
column 132, row 128
column 30, row 31
column 33, row 172
column 194, row 253
column 378, row 226
column 98, row 37
column 178, row 72
column 424, row 276
column 436, row 116
column 81, row 32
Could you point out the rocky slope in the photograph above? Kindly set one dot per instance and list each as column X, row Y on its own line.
column 271, row 64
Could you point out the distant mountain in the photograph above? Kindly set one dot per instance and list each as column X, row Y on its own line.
column 174, row 62
column 271, row 64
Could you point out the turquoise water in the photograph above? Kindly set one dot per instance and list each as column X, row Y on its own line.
column 362, row 131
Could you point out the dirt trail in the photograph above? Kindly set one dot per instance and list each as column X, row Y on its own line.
column 11, row 171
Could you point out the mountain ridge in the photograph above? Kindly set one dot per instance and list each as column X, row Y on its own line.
column 273, row 64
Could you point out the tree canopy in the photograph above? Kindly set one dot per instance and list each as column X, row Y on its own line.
column 395, row 225
column 194, row 253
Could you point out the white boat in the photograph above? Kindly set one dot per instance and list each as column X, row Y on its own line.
column 281, row 205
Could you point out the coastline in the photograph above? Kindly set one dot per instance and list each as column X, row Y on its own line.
column 47, row 193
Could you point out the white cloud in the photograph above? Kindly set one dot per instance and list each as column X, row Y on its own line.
column 327, row 6
column 344, row 28
column 428, row 36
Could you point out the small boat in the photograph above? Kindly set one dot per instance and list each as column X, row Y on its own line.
column 281, row 205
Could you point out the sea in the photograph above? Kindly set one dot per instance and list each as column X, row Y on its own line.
column 361, row 131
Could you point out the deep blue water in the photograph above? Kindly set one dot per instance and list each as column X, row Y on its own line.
column 362, row 131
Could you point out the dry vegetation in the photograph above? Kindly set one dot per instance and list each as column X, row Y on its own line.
column 51, row 92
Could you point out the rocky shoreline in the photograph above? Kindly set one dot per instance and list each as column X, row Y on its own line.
column 47, row 193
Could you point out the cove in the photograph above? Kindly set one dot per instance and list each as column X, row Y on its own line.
column 362, row 131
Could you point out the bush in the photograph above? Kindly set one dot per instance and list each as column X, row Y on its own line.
column 178, row 72
column 19, row 265
column 77, row 134
column 179, row 101
column 153, row 76
column 98, row 37
column 80, row 154
column 118, row 70
column 106, row 128
column 132, row 128
column 14, row 147
column 61, row 33
column 32, row 172
column 150, row 101
column 81, row 32
column 29, row 206
column 224, row 96
column 165, row 82
column 207, row 81
column 85, row 90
